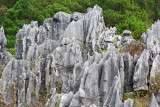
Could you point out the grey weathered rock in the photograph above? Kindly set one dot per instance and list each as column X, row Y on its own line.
column 77, row 16
column 158, row 97
column 114, row 99
column 78, row 98
column 128, row 103
column 152, row 38
column 129, row 72
column 141, row 72
column 126, row 37
column 109, row 36
column 18, row 84
column 30, row 35
column 100, row 75
column 3, row 40
column 75, row 57
column 55, row 99
column 153, row 102
column 155, row 70
column 66, row 99
column 56, row 26
column 4, row 55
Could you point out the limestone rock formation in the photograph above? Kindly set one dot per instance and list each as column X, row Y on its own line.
column 18, row 84
column 152, row 39
column 126, row 37
column 128, row 71
column 54, row 100
column 128, row 103
column 158, row 97
column 155, row 70
column 76, row 60
column 141, row 72
column 4, row 55
column 153, row 102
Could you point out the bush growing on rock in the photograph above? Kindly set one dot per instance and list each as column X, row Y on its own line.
column 134, row 48
column 155, row 86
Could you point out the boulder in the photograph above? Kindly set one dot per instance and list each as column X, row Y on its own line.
column 126, row 37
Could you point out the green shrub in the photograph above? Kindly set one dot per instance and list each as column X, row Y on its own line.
column 103, row 51
column 12, row 51
column 7, row 88
column 33, row 92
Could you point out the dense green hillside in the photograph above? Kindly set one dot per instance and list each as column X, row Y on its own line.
column 134, row 15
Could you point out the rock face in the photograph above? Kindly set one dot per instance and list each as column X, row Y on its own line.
column 76, row 59
column 158, row 97
column 129, row 72
column 155, row 70
column 126, row 37
column 4, row 55
column 152, row 38
column 114, row 98
column 153, row 102
column 20, row 86
column 141, row 72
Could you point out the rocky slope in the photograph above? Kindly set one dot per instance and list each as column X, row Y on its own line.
column 78, row 62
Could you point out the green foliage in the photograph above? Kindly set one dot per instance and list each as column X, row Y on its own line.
column 103, row 51
column 57, row 104
column 33, row 92
column 26, row 105
column 141, row 98
column 12, row 51
column 133, row 24
column 115, row 40
column 3, row 10
column 59, row 87
column 18, row 40
column 7, row 88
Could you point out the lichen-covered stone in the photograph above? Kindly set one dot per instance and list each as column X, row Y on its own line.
column 141, row 72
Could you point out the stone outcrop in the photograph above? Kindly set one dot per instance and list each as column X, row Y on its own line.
column 21, row 86
column 153, row 102
column 152, row 39
column 77, row 60
column 4, row 55
column 158, row 97
column 129, row 72
column 126, row 37
column 141, row 72
column 155, row 70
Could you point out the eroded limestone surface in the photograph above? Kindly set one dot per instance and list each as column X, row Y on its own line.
column 77, row 60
